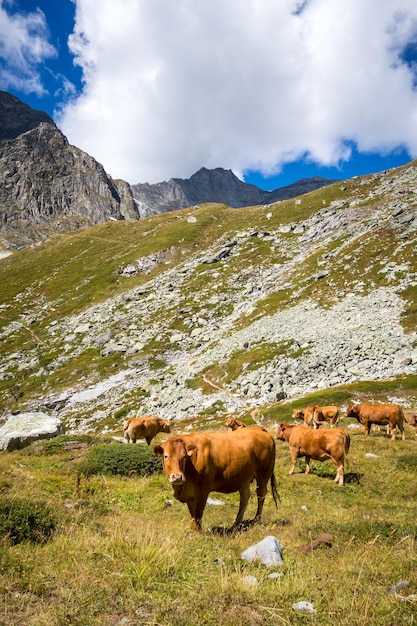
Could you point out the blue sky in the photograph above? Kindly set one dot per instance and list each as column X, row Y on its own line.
column 275, row 91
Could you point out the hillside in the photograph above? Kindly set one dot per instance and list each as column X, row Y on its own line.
column 209, row 310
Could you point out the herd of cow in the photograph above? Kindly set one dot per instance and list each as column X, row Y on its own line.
column 228, row 461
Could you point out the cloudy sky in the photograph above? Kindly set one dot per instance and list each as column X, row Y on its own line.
column 273, row 89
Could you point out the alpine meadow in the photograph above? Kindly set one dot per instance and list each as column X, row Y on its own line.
column 195, row 315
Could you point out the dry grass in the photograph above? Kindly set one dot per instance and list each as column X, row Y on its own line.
column 123, row 553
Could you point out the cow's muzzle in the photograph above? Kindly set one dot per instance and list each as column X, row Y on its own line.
column 177, row 479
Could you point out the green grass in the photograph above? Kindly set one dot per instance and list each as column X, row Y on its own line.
column 122, row 552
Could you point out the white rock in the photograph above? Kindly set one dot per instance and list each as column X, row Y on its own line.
column 23, row 429
column 268, row 551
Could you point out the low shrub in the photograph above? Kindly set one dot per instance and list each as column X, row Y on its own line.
column 60, row 444
column 407, row 462
column 120, row 459
column 25, row 520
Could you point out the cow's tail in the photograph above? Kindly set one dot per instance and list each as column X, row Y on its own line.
column 127, row 422
column 347, row 446
column 274, row 489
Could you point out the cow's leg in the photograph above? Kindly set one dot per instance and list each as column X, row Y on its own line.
column 261, row 489
column 308, row 459
column 294, row 456
column 367, row 428
column 148, row 440
column 244, row 499
column 393, row 432
column 339, row 473
column 196, row 508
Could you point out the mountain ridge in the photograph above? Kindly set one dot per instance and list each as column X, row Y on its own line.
column 48, row 186
column 215, row 185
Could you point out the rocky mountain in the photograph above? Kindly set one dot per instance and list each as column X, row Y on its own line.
column 17, row 117
column 216, row 185
column 46, row 184
column 213, row 311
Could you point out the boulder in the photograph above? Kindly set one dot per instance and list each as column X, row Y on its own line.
column 23, row 429
column 268, row 551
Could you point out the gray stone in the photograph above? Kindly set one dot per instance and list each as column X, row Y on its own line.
column 268, row 551
column 23, row 429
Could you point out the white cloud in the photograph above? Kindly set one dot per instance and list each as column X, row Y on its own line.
column 243, row 84
column 23, row 47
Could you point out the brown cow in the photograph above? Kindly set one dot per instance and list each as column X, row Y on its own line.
column 234, row 423
column 381, row 414
column 326, row 414
column 327, row 443
column 198, row 463
column 413, row 422
column 315, row 416
column 144, row 428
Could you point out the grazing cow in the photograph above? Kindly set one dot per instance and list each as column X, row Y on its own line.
column 413, row 422
column 144, row 428
column 315, row 416
column 327, row 443
column 381, row 414
column 234, row 423
column 326, row 414
column 198, row 463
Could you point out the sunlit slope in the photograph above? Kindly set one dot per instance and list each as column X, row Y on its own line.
column 176, row 282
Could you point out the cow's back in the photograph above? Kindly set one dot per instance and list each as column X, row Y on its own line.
column 231, row 457
column 311, row 441
column 380, row 412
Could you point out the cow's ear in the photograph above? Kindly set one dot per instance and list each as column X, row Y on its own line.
column 191, row 449
column 158, row 450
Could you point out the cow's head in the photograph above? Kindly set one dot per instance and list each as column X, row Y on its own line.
column 234, row 423
column 298, row 414
column 174, row 454
column 165, row 426
column 351, row 411
column 281, row 432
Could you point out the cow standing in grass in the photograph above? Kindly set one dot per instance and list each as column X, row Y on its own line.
column 319, row 445
column 315, row 416
column 367, row 414
column 144, row 428
column 198, row 463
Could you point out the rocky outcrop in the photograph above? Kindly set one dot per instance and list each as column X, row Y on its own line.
column 23, row 429
column 215, row 185
column 48, row 186
column 17, row 118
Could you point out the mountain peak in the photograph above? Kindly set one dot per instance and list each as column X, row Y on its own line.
column 17, row 118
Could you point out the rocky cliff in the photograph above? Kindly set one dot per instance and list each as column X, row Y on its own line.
column 216, row 185
column 46, row 184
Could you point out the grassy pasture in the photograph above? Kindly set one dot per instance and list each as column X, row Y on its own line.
column 122, row 552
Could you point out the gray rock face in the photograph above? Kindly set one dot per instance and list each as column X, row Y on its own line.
column 23, row 429
column 215, row 185
column 47, row 185
column 17, row 118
